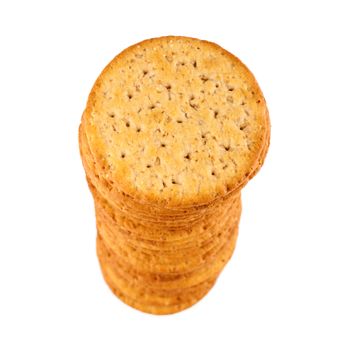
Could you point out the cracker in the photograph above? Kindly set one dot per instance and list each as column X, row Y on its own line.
column 133, row 115
column 173, row 129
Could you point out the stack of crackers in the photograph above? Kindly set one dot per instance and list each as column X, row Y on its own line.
column 173, row 129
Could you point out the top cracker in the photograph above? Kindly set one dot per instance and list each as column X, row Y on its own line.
column 177, row 121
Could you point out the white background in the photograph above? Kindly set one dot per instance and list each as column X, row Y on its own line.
column 288, row 284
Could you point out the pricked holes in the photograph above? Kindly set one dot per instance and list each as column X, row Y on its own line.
column 168, row 87
column 127, row 124
column 138, row 129
column 188, row 156
column 163, row 145
column 169, row 58
column 216, row 113
column 174, row 182
column 194, row 64
column 122, row 155
column 225, row 167
column 152, row 106
column 230, row 88
column 145, row 72
column 148, row 166
column 213, row 173
column 191, row 103
column 111, row 115
column 179, row 121
column 204, row 139
column 129, row 95
column 217, row 85
column 204, row 78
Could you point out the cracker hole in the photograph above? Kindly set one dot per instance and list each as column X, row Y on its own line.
column 163, row 144
column 179, row 121
column 129, row 96
column 138, row 129
column 152, row 107
column 192, row 104
column 164, row 184
column 258, row 101
column 168, row 87
column 173, row 182
column 204, row 78
column 194, row 64
column 213, row 173
column 169, row 58
column 127, row 124
column 231, row 88
column 111, row 115
column 227, row 148
column 148, row 166
column 122, row 155
column 225, row 166
column 145, row 72
column 216, row 113
column 188, row 156
column 216, row 85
